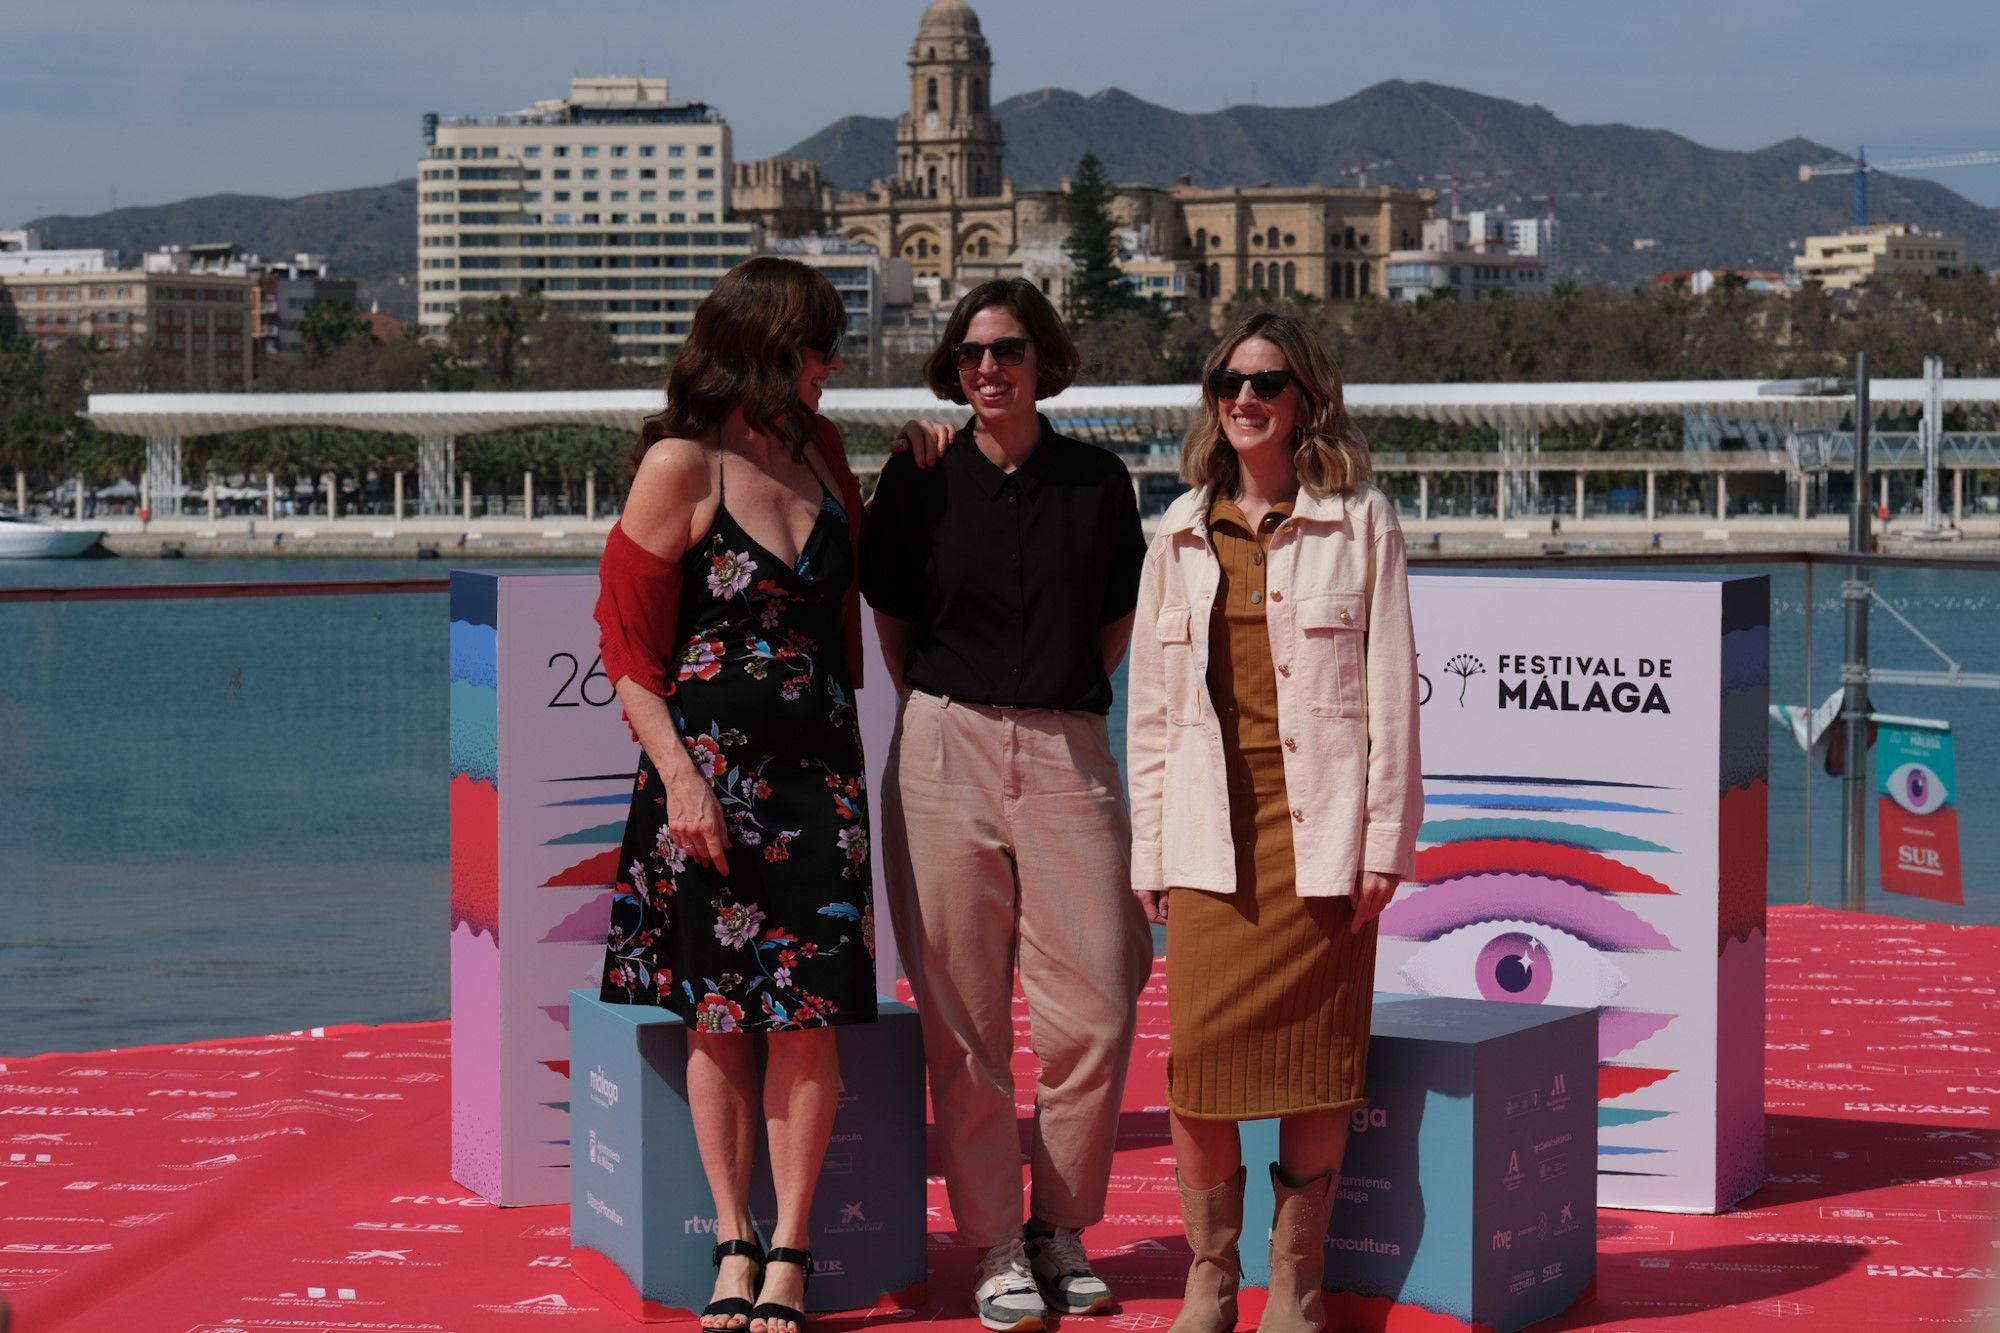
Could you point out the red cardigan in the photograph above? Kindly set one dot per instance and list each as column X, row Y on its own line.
column 638, row 593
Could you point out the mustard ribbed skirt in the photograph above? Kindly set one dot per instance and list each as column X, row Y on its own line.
column 1268, row 994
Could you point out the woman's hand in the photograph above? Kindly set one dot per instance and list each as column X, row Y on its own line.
column 925, row 441
column 694, row 818
column 1155, row 903
column 1372, row 893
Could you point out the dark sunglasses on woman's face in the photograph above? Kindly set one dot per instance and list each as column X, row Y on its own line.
column 829, row 349
column 1006, row 352
column 1266, row 384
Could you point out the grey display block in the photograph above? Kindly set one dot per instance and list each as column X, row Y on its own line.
column 1469, row 1188
column 642, row 1221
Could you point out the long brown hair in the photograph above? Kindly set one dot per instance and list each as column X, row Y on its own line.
column 1331, row 453
column 1056, row 359
column 746, row 349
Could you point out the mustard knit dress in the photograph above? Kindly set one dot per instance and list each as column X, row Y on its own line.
column 1268, row 993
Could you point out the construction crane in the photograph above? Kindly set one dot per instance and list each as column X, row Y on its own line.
column 1456, row 180
column 1861, row 168
column 1360, row 171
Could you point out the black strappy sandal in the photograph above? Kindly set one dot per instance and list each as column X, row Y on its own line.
column 730, row 1306
column 771, row 1310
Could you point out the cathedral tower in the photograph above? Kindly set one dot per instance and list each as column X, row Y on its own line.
column 948, row 144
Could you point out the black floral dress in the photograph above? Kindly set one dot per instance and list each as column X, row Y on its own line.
column 762, row 701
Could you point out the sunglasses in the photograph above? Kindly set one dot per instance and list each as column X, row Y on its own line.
column 829, row 349
column 1266, row 384
column 1006, row 352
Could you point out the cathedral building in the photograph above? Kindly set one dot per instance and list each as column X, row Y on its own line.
column 953, row 215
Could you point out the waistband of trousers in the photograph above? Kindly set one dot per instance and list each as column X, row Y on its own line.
column 947, row 702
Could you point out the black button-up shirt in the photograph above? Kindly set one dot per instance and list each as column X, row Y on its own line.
column 1006, row 577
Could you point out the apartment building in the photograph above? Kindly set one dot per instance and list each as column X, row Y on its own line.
column 202, row 319
column 612, row 203
column 1467, row 258
column 870, row 287
column 1879, row 250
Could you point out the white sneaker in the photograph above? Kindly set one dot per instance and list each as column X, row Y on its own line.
column 1006, row 1299
column 1062, row 1270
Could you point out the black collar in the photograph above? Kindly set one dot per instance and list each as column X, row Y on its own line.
column 1030, row 476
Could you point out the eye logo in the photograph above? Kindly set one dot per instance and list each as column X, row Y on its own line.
column 1917, row 789
column 1517, row 961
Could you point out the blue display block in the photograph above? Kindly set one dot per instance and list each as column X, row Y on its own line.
column 1469, row 1187
column 642, row 1221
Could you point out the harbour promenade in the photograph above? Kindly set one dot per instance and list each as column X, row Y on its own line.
column 301, row 1180
column 573, row 536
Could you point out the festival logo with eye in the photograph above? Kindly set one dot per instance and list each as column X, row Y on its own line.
column 1916, row 788
column 1525, row 910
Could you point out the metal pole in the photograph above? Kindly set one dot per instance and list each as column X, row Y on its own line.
column 1854, row 667
column 1809, row 736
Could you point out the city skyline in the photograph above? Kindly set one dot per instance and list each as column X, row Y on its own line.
column 118, row 103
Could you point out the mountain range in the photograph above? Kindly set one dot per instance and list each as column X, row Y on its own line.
column 1631, row 201
column 1611, row 186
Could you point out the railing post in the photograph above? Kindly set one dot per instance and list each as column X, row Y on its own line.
column 468, row 496
column 77, row 496
column 1854, row 668
column 590, row 496
column 399, row 496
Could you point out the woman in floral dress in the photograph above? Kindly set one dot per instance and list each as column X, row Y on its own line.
column 728, row 620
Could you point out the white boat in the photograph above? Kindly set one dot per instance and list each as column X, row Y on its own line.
column 23, row 538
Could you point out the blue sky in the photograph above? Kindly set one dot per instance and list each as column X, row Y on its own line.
column 145, row 101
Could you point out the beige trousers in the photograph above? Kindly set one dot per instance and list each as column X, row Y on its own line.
column 1008, row 840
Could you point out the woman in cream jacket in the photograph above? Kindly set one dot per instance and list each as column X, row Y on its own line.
column 1276, row 794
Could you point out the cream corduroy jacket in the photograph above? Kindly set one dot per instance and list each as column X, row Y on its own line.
column 1345, row 653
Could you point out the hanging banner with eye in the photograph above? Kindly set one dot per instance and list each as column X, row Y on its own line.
column 1914, row 811
column 1595, row 836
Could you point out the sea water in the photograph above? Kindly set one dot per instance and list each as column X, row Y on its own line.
column 229, row 816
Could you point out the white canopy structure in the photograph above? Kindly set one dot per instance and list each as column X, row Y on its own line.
column 1126, row 413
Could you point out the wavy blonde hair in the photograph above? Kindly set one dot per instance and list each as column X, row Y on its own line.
column 1331, row 453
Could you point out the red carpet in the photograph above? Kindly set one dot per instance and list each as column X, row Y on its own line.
column 301, row 1182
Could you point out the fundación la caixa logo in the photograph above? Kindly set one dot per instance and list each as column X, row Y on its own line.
column 1560, row 682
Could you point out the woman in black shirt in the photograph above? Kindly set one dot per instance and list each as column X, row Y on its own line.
column 1003, row 581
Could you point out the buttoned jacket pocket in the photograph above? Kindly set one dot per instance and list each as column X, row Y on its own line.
column 1332, row 653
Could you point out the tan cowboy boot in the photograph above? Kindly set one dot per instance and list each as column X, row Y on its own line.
column 1298, row 1255
column 1213, row 1219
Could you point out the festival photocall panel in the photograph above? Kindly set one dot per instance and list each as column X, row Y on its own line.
column 1595, row 836
column 542, row 766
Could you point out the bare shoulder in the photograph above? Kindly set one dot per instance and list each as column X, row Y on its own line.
column 672, row 487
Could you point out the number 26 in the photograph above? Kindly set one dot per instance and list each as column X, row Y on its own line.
column 583, row 690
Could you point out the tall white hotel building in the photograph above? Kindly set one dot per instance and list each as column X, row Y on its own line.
column 613, row 203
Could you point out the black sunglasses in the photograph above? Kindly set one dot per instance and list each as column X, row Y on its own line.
column 1006, row 352
column 828, row 349
column 1266, row 384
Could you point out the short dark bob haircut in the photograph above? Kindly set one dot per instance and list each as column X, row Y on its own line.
column 1056, row 360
